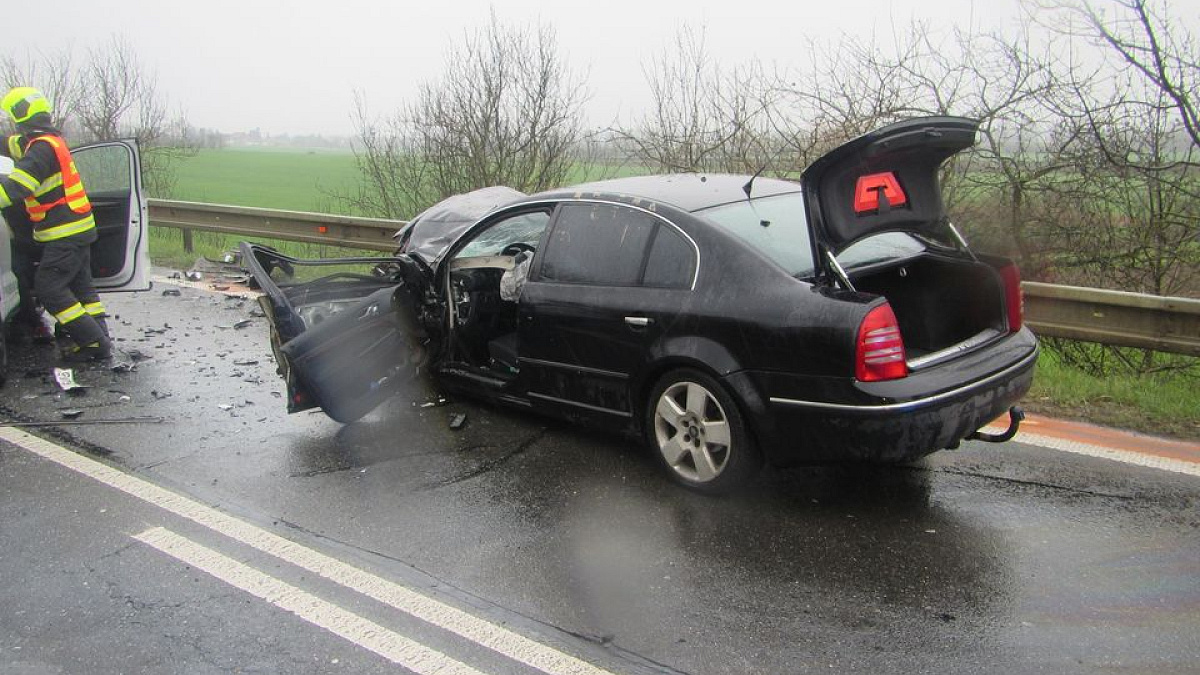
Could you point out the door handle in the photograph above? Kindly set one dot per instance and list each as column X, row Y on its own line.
column 638, row 321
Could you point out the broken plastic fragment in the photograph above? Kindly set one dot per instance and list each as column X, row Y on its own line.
column 65, row 377
column 172, row 292
column 71, row 414
column 457, row 420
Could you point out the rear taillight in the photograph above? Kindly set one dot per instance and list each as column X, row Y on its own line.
column 1014, row 301
column 880, row 352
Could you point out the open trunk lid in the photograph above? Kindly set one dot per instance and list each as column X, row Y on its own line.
column 877, row 215
column 885, row 181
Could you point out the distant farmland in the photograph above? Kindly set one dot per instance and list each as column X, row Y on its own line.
column 297, row 179
column 276, row 178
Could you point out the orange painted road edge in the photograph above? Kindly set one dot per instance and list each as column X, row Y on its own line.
column 1114, row 439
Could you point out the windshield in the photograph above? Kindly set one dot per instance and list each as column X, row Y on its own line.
column 777, row 226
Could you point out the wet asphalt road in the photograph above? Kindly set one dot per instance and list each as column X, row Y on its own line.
column 1005, row 558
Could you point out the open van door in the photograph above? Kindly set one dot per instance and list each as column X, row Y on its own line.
column 112, row 176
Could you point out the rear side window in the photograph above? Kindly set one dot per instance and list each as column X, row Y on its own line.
column 672, row 262
column 597, row 244
column 777, row 226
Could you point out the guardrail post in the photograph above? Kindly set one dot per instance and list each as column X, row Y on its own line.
column 187, row 241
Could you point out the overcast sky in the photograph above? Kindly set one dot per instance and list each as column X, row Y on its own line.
column 293, row 66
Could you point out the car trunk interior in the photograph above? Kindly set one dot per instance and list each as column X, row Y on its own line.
column 940, row 303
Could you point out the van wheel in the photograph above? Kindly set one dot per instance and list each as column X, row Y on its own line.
column 696, row 431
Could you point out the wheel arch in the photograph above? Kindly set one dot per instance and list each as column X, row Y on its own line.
column 709, row 357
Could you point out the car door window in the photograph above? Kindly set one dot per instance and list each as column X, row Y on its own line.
column 597, row 244
column 105, row 170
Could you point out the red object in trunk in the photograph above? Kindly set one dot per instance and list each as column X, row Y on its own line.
column 880, row 352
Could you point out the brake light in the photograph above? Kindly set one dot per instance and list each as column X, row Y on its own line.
column 880, row 352
column 1014, row 300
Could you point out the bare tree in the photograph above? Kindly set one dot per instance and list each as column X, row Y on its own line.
column 53, row 73
column 395, row 179
column 1143, row 36
column 1135, row 223
column 106, row 96
column 506, row 111
column 702, row 118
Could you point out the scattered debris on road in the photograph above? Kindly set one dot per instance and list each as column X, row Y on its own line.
column 65, row 378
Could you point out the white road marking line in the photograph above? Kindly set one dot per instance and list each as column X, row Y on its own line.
column 345, row 624
column 1124, row 456
column 497, row 638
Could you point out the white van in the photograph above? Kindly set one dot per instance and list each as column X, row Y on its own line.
column 112, row 176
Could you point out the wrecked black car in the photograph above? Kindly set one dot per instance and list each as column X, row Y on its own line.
column 726, row 319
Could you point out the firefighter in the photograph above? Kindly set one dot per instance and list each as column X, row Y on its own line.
column 46, row 181
column 27, row 323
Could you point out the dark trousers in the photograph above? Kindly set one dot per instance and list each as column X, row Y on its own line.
column 63, row 283
column 26, row 256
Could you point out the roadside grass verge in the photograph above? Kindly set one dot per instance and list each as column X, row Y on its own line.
column 1163, row 404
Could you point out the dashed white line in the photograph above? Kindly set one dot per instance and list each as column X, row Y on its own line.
column 497, row 638
column 345, row 624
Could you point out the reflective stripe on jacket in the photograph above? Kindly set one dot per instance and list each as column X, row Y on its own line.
column 58, row 205
column 13, row 148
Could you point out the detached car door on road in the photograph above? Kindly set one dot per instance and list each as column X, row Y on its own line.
column 726, row 319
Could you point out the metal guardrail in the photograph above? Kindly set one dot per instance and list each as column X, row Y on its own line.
column 315, row 228
column 1165, row 324
column 1088, row 314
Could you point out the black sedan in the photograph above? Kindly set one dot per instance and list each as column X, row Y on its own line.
column 726, row 319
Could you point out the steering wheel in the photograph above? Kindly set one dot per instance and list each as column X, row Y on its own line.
column 516, row 247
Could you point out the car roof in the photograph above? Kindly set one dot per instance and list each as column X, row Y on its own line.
column 686, row 191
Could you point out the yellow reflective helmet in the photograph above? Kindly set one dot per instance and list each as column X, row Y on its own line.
column 22, row 103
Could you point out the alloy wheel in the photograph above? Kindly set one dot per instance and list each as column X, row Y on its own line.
column 692, row 432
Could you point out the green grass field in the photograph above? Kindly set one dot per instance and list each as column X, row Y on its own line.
column 301, row 180
column 297, row 180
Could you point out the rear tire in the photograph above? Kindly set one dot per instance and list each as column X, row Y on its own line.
column 696, row 431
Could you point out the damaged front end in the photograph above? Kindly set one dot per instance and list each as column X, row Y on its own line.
column 347, row 333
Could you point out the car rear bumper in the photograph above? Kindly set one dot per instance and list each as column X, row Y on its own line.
column 793, row 430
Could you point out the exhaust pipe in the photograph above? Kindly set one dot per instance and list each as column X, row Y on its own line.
column 1015, row 417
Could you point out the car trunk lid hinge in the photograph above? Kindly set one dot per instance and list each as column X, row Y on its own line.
column 958, row 239
column 838, row 270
